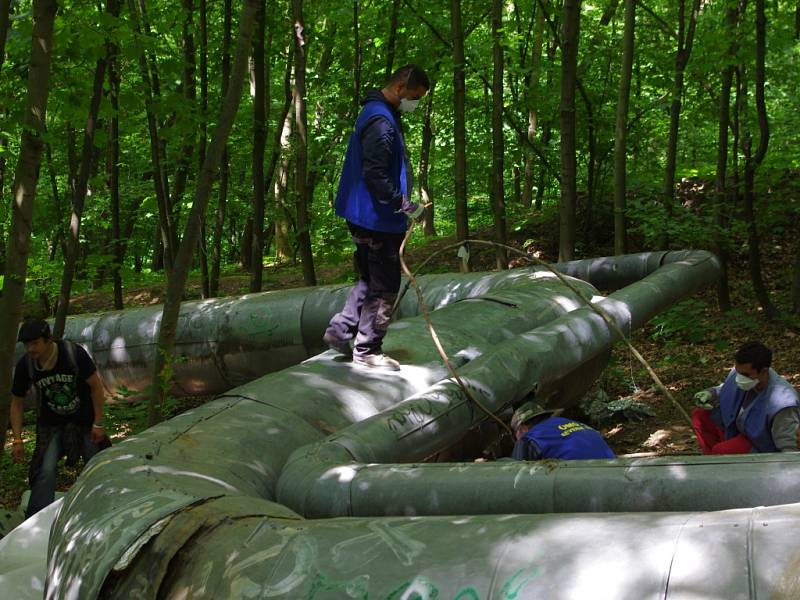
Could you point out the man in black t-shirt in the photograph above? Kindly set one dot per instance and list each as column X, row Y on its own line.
column 69, row 418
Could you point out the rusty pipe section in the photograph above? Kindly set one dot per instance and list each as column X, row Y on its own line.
column 327, row 478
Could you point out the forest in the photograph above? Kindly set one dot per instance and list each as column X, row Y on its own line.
column 178, row 144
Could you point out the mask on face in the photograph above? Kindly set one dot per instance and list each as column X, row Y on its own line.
column 407, row 105
column 744, row 383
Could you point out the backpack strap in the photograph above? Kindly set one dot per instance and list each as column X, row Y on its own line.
column 69, row 348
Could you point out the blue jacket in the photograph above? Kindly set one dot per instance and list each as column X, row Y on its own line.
column 374, row 178
column 778, row 394
column 557, row 437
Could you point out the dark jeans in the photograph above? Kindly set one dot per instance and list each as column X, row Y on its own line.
column 368, row 309
column 43, row 483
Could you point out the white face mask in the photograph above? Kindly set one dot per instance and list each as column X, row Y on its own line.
column 744, row 383
column 407, row 105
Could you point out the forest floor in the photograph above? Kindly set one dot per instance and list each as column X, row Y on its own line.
column 690, row 347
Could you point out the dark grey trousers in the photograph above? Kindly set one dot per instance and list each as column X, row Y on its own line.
column 367, row 311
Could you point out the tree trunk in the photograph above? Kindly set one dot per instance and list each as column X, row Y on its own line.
column 202, row 247
column 569, row 59
column 357, row 60
column 113, row 181
column 279, row 161
column 797, row 22
column 176, row 282
column 168, row 248
column 283, row 247
column 79, row 195
column 459, row 126
column 390, row 45
column 259, row 142
column 684, row 52
column 246, row 245
column 591, row 167
column 188, row 86
column 752, row 162
column 5, row 26
column 159, row 179
column 532, row 100
column 24, row 194
column 547, row 129
column 498, row 148
column 302, row 200
column 720, row 191
column 58, row 230
column 428, row 227
column 3, row 171
column 219, row 214
column 621, row 130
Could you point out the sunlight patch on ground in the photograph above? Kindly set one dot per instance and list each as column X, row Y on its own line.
column 657, row 438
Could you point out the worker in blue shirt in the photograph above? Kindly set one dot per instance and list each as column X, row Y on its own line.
column 541, row 434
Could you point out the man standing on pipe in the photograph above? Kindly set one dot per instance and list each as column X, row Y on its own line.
column 69, row 415
column 753, row 410
column 540, row 434
column 373, row 198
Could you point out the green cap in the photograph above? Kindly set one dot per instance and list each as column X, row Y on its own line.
column 526, row 412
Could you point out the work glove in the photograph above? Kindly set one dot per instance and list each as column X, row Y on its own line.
column 703, row 400
column 412, row 210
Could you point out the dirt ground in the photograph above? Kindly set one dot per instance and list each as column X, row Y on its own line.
column 690, row 348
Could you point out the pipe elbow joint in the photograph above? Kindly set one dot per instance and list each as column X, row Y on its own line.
column 316, row 479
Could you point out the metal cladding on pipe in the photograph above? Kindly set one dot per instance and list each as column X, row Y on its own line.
column 621, row 485
column 226, row 342
column 222, row 342
column 237, row 444
column 180, row 510
column 423, row 424
column 229, row 548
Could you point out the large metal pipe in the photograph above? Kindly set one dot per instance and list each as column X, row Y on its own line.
column 226, row 342
column 238, row 444
column 227, row 548
column 421, row 425
column 682, row 483
column 180, row 509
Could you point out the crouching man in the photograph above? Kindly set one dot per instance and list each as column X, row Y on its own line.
column 753, row 410
column 540, row 434
column 69, row 412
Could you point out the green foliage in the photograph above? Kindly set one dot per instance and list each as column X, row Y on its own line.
column 423, row 35
column 600, row 409
column 684, row 322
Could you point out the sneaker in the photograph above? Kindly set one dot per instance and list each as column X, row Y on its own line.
column 379, row 361
column 340, row 346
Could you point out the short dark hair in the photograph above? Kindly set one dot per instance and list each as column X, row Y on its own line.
column 33, row 328
column 413, row 76
column 756, row 354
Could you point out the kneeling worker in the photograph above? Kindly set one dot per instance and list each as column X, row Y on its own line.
column 540, row 434
column 753, row 410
